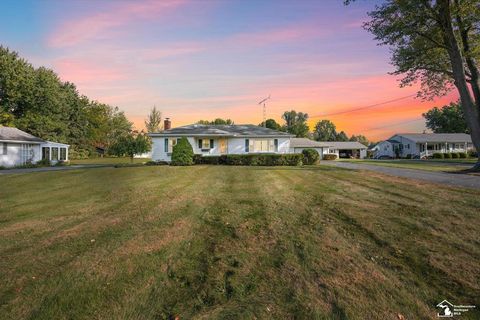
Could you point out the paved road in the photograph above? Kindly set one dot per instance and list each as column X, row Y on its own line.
column 42, row 169
column 453, row 179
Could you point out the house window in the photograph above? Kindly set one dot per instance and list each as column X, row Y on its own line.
column 63, row 154
column 45, row 153
column 169, row 143
column 247, row 145
column 263, row 145
column 5, row 148
column 205, row 144
column 54, row 154
column 275, row 142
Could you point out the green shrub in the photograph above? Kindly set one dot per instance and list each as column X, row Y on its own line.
column 62, row 163
column 310, row 156
column 44, row 163
column 182, row 154
column 472, row 154
column 447, row 155
column 156, row 163
column 79, row 154
column 251, row 159
column 463, row 155
column 3, row 168
column 330, row 156
column 455, row 155
column 409, row 156
column 438, row 156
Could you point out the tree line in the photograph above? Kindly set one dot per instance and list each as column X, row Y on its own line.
column 37, row 101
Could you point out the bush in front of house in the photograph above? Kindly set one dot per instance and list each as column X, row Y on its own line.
column 44, row 163
column 455, row 155
column 330, row 156
column 472, row 154
column 156, row 163
column 438, row 156
column 447, row 155
column 291, row 159
column 310, row 156
column 463, row 155
column 182, row 154
column 409, row 156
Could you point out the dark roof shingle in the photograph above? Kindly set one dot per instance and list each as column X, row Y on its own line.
column 243, row 130
column 14, row 134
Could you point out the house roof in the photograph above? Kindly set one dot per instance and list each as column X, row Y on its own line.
column 17, row 135
column 243, row 130
column 347, row 145
column 393, row 141
column 436, row 137
column 307, row 143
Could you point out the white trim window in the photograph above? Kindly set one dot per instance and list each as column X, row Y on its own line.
column 169, row 143
column 262, row 145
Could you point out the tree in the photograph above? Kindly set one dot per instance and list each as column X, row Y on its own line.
column 360, row 138
column 435, row 43
column 296, row 123
column 341, row 136
column 271, row 124
column 130, row 145
column 154, row 121
column 325, row 130
column 448, row 119
column 182, row 153
column 217, row 121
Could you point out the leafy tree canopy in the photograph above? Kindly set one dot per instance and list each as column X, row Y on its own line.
column 154, row 121
column 296, row 123
column 447, row 119
column 130, row 145
column 217, row 121
column 271, row 124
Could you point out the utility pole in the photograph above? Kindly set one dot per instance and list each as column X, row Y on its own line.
column 264, row 110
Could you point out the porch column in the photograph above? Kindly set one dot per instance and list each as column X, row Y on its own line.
column 49, row 153
column 426, row 149
column 446, row 147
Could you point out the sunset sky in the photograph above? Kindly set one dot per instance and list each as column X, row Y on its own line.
column 207, row 59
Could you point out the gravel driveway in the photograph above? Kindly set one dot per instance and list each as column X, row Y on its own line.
column 453, row 179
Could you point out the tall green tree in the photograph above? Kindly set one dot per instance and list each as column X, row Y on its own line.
column 341, row 136
column 447, row 119
column 435, row 43
column 296, row 123
column 154, row 121
column 325, row 130
column 217, row 121
column 130, row 145
column 360, row 138
column 271, row 124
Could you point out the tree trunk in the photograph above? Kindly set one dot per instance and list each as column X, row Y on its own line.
column 469, row 105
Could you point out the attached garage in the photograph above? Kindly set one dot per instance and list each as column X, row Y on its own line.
column 348, row 149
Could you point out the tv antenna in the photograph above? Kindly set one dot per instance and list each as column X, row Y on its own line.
column 264, row 110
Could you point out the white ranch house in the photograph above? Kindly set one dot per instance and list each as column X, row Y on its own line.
column 422, row 145
column 20, row 148
column 214, row 140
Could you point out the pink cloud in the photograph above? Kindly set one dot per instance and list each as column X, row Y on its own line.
column 97, row 25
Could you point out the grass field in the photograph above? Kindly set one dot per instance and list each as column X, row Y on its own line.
column 428, row 165
column 109, row 161
column 217, row 242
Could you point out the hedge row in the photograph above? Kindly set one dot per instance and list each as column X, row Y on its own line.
column 451, row 155
column 291, row 159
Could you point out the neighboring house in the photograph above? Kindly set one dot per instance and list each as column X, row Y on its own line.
column 421, row 145
column 19, row 148
column 297, row 145
column 210, row 140
column 348, row 149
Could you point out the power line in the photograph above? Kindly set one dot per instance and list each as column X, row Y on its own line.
column 364, row 107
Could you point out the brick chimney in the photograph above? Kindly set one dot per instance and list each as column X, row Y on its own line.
column 167, row 124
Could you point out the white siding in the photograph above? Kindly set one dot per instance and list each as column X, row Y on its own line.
column 234, row 146
column 14, row 154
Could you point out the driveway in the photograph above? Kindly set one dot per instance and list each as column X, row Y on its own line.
column 42, row 169
column 452, row 179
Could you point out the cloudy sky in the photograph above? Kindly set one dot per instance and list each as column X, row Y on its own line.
column 202, row 59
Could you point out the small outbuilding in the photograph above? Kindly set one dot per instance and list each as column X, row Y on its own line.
column 18, row 148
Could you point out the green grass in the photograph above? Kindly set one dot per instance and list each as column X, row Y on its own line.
column 218, row 242
column 428, row 165
column 108, row 161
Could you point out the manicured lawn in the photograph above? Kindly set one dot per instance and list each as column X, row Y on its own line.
column 429, row 165
column 109, row 161
column 217, row 242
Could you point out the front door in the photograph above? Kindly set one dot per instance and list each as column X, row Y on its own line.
column 222, row 143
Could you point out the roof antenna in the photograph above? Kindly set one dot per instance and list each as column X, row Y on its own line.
column 264, row 110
